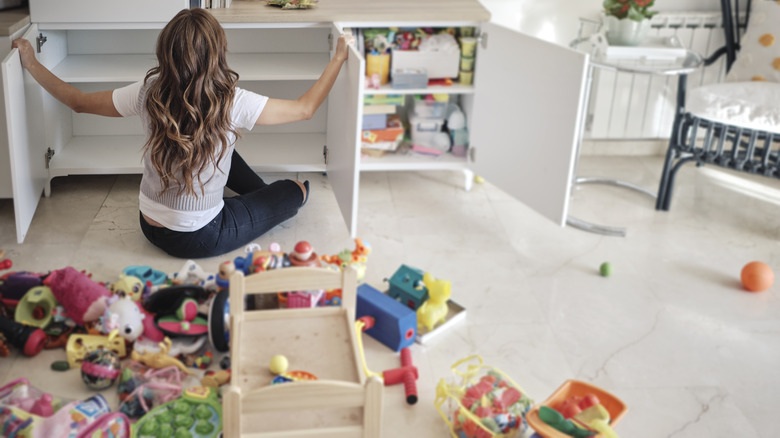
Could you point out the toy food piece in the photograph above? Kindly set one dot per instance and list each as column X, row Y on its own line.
column 100, row 368
column 757, row 276
column 597, row 417
column 196, row 414
column 605, row 269
column 554, row 419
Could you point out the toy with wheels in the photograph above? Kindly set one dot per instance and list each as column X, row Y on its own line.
column 29, row 340
column 219, row 321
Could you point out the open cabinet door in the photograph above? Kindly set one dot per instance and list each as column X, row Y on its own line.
column 23, row 109
column 525, row 122
column 345, row 110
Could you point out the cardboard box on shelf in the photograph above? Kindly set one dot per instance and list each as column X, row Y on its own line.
column 386, row 139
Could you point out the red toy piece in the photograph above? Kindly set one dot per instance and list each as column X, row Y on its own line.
column 406, row 374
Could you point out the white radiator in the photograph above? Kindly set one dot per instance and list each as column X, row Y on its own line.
column 637, row 106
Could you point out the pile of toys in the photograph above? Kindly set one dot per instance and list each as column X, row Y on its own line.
column 149, row 331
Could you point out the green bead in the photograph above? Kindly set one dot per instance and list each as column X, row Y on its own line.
column 606, row 269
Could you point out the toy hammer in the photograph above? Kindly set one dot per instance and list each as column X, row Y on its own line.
column 406, row 373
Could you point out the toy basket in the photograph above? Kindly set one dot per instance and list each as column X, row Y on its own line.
column 482, row 401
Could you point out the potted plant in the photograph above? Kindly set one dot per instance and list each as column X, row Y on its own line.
column 626, row 22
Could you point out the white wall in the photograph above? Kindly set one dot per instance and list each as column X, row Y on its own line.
column 557, row 20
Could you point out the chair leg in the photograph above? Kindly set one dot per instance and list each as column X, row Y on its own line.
column 665, row 186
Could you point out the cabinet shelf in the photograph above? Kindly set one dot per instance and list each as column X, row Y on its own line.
column 412, row 161
column 455, row 88
column 121, row 154
column 131, row 68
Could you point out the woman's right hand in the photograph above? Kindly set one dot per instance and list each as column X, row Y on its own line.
column 26, row 52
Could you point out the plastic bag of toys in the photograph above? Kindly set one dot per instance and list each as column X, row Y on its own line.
column 482, row 401
column 26, row 411
column 142, row 388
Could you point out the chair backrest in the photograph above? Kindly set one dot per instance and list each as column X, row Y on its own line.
column 733, row 27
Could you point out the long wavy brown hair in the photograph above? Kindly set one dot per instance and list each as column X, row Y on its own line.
column 189, row 99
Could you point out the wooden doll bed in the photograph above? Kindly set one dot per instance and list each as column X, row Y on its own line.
column 322, row 341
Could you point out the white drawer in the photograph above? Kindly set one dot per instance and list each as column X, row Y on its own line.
column 105, row 11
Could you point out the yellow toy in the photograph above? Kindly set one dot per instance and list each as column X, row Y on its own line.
column 434, row 310
column 79, row 345
column 128, row 285
column 160, row 359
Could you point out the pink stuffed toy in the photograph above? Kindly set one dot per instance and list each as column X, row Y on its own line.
column 83, row 299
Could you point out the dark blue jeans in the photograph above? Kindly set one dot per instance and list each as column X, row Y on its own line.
column 257, row 208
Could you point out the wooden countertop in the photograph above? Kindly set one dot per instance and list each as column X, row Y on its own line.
column 13, row 20
column 357, row 11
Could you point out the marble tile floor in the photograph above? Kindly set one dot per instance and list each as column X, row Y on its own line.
column 671, row 331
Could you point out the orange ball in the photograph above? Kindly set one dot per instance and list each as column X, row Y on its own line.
column 757, row 276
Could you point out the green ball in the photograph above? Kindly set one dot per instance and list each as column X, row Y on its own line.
column 605, row 269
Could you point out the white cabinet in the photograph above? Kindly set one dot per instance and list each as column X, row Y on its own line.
column 523, row 111
column 524, row 114
column 49, row 140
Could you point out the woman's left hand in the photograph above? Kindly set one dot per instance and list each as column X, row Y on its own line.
column 342, row 50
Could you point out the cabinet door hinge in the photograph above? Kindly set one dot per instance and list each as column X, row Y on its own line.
column 49, row 155
column 325, row 154
column 39, row 40
column 482, row 39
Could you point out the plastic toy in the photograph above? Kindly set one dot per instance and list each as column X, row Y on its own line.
column 258, row 260
column 176, row 310
column 160, row 359
column 28, row 412
column 757, row 276
column 395, row 325
column 304, row 255
column 147, row 275
column 575, row 391
column 406, row 286
column 215, row 379
column 556, row 420
column 605, row 269
column 219, row 321
column 482, row 401
column 4, row 263
column 434, row 310
column 36, row 307
column 14, row 285
column 357, row 257
column 278, row 364
column 100, row 369
column 126, row 316
column 80, row 345
column 406, row 374
column 128, row 286
column 83, row 299
column 142, row 388
column 196, row 414
column 190, row 273
column 30, row 340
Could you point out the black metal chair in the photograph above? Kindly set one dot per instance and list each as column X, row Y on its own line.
column 704, row 141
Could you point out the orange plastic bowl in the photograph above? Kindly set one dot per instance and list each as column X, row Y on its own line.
column 575, row 388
